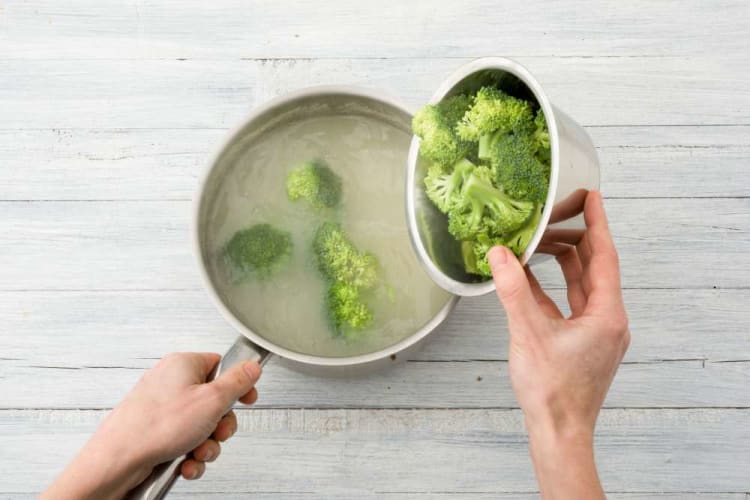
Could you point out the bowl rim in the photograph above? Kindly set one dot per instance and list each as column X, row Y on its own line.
column 484, row 63
column 199, row 201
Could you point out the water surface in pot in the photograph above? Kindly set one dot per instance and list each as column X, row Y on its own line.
column 369, row 153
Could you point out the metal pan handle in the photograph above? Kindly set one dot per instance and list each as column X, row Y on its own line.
column 157, row 485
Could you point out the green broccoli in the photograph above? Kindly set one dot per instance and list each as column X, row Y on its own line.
column 494, row 111
column 490, row 170
column 349, row 272
column 516, row 168
column 257, row 252
column 346, row 309
column 339, row 260
column 482, row 208
column 516, row 241
column 435, row 125
column 541, row 138
column 443, row 187
column 315, row 182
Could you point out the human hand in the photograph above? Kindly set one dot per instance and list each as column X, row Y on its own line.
column 171, row 411
column 561, row 368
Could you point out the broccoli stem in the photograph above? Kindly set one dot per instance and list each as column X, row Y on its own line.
column 469, row 257
column 485, row 147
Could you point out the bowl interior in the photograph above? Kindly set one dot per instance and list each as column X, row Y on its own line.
column 439, row 251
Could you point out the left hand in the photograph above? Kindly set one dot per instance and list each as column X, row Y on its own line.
column 170, row 412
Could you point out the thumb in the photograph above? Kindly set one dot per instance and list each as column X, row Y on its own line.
column 512, row 286
column 236, row 382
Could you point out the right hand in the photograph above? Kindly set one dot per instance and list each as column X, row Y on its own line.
column 561, row 368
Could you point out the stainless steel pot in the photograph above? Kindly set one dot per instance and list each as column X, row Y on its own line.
column 324, row 100
column 574, row 170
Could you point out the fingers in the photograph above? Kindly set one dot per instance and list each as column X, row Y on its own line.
column 206, row 362
column 597, row 227
column 513, row 287
column 250, row 398
column 192, row 469
column 545, row 303
column 235, row 383
column 207, row 451
column 573, row 273
column 226, row 427
column 601, row 271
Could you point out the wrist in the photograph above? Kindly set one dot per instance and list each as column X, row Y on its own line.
column 102, row 469
column 563, row 458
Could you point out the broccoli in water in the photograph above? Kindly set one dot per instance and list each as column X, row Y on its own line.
column 489, row 172
column 349, row 272
column 257, row 252
column 315, row 182
column 435, row 125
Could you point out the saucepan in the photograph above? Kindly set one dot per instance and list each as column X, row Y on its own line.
column 569, row 146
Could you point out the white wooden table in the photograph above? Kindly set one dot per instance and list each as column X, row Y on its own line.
column 108, row 111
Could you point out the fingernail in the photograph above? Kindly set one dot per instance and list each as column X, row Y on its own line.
column 251, row 369
column 194, row 473
column 497, row 256
column 209, row 456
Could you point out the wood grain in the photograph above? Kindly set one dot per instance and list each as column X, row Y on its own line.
column 159, row 164
column 450, row 384
column 116, row 93
column 389, row 28
column 129, row 328
column 356, row 453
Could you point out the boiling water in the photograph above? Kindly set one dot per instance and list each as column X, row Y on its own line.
column 287, row 309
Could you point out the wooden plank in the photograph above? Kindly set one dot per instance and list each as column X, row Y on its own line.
column 468, row 384
column 157, row 164
column 348, row 453
column 146, row 245
column 218, row 93
column 91, row 29
column 127, row 328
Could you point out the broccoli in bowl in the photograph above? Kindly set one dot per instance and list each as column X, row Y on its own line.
column 488, row 171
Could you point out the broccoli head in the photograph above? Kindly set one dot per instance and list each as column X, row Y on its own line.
column 435, row 126
column 257, row 252
column 492, row 111
column 517, row 170
column 485, row 209
column 315, row 182
column 347, row 311
column 443, row 186
column 517, row 241
column 339, row 260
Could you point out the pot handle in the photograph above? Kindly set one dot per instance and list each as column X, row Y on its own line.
column 157, row 485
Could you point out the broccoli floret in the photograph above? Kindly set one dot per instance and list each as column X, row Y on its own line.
column 494, row 111
column 517, row 241
column 521, row 237
column 257, row 252
column 485, row 209
column 541, row 138
column 517, row 170
column 435, row 126
column 339, row 260
column 347, row 311
column 493, row 190
column 315, row 182
column 443, row 186
column 349, row 272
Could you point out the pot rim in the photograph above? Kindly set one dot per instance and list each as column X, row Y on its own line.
column 198, row 204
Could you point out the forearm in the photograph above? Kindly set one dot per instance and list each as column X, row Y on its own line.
column 564, row 464
column 98, row 472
